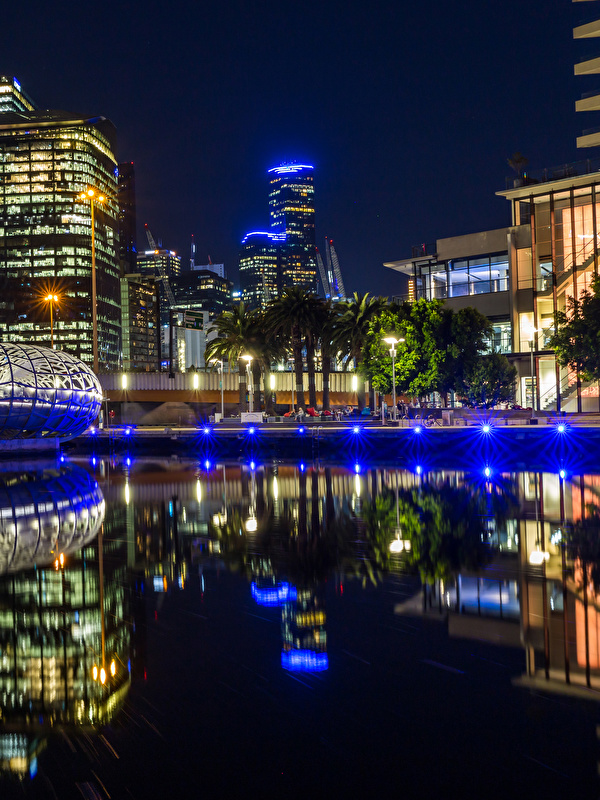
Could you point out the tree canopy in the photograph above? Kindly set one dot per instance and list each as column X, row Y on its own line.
column 577, row 337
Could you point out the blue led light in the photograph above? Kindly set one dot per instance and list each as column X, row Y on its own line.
column 301, row 429
column 284, row 169
column 275, row 595
column 302, row 467
column 92, row 430
column 487, row 472
column 127, row 431
column 418, row 429
column 419, row 469
column 356, row 429
column 62, row 458
column 304, row 661
column 561, row 428
column 94, row 461
column 251, row 430
column 206, row 429
column 486, row 428
column 274, row 237
column 128, row 461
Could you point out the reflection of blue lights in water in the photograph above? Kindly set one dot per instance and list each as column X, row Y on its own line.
column 273, row 595
column 419, row 469
column 301, row 467
column 562, row 474
column 487, row 472
column 252, row 466
column 357, row 468
column 304, row 661
column 207, row 465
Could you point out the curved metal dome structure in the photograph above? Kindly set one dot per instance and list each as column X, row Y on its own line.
column 42, row 514
column 45, row 393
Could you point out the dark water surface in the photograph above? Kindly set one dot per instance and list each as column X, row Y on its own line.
column 266, row 642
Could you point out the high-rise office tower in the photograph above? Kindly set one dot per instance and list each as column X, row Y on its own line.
column 261, row 259
column 292, row 211
column 12, row 97
column 47, row 159
column 590, row 100
column 140, row 323
column 127, row 217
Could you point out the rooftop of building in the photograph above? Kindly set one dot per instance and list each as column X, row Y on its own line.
column 563, row 176
column 25, row 120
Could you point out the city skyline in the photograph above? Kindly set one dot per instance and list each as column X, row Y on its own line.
column 395, row 112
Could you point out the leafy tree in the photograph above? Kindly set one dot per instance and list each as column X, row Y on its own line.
column 577, row 338
column 465, row 336
column 420, row 358
column 491, row 380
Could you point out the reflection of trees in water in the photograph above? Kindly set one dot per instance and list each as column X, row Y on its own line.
column 448, row 526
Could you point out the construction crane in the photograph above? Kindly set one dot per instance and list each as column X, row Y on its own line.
column 331, row 273
column 323, row 274
column 161, row 268
column 339, row 283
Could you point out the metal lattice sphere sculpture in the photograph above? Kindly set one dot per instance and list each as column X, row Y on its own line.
column 59, row 510
column 45, row 393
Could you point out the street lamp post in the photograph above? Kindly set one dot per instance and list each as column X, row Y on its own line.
column 93, row 196
column 51, row 298
column 248, row 360
column 392, row 341
column 219, row 364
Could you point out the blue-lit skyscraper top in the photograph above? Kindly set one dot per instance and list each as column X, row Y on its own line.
column 292, row 212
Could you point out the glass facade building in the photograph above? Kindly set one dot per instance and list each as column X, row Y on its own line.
column 46, row 160
column 12, row 96
column 127, row 217
column 260, row 266
column 140, row 323
column 292, row 212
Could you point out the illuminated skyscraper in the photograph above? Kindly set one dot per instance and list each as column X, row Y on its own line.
column 12, row 97
column 292, row 211
column 127, row 217
column 261, row 267
column 47, row 158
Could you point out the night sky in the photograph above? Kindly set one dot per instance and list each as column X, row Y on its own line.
column 408, row 111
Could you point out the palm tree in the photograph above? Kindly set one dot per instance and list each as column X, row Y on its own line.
column 327, row 325
column 235, row 330
column 352, row 327
column 293, row 316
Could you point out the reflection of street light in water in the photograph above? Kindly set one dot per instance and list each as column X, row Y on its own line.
column 392, row 341
column 251, row 523
column 399, row 544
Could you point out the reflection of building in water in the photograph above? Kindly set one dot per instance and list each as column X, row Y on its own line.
column 535, row 594
column 303, row 631
column 57, row 623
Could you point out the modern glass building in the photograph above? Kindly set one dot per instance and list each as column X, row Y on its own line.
column 520, row 276
column 202, row 290
column 261, row 274
column 12, row 96
column 292, row 212
column 156, row 263
column 47, row 158
column 140, row 323
column 127, row 217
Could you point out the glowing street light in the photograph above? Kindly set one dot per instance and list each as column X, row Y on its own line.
column 51, row 298
column 93, row 196
column 248, row 359
column 392, row 341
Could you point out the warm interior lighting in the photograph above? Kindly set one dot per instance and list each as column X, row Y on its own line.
column 537, row 557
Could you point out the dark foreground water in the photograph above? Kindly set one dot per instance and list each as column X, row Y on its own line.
column 266, row 642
